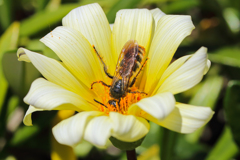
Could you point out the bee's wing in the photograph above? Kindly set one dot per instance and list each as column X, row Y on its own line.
column 126, row 61
column 138, row 63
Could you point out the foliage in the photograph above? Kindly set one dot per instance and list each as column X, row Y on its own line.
column 24, row 22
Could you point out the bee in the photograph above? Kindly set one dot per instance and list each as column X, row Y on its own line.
column 128, row 68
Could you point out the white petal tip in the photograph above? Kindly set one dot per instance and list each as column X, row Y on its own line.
column 128, row 128
column 159, row 106
column 208, row 65
column 203, row 49
column 22, row 56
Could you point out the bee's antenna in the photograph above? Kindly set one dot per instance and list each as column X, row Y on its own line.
column 100, row 103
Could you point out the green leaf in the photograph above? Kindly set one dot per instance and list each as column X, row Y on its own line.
column 24, row 133
column 227, row 56
column 231, row 17
column 225, row 148
column 232, row 109
column 44, row 19
column 19, row 75
column 126, row 145
column 5, row 13
column 167, row 144
column 12, row 105
column 41, row 4
column 121, row 4
column 153, row 136
column 8, row 41
column 184, row 150
column 207, row 95
column 179, row 6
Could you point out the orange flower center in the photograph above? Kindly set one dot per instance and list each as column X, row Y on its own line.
column 123, row 104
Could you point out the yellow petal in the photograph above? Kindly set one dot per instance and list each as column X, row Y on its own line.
column 55, row 72
column 188, row 75
column 133, row 24
column 171, row 69
column 207, row 66
column 185, row 118
column 170, row 32
column 59, row 151
column 128, row 128
column 111, row 26
column 49, row 96
column 157, row 14
column 76, row 53
column 98, row 131
column 159, row 106
column 92, row 22
column 27, row 120
column 71, row 131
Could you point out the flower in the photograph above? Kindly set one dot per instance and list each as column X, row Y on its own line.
column 67, row 83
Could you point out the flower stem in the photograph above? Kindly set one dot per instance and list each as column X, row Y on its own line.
column 168, row 141
column 131, row 155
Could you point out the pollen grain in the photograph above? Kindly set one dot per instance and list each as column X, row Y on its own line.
column 124, row 103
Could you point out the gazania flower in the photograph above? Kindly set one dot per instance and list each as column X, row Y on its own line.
column 67, row 83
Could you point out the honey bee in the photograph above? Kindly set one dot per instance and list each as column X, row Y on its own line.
column 128, row 68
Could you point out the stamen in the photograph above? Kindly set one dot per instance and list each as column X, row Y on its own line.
column 123, row 104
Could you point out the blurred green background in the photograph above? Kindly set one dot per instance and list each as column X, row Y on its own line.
column 24, row 22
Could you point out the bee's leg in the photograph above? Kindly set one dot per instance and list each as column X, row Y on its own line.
column 119, row 102
column 100, row 103
column 104, row 65
column 113, row 102
column 135, row 78
column 99, row 82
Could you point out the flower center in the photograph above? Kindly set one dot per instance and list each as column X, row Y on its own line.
column 121, row 105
